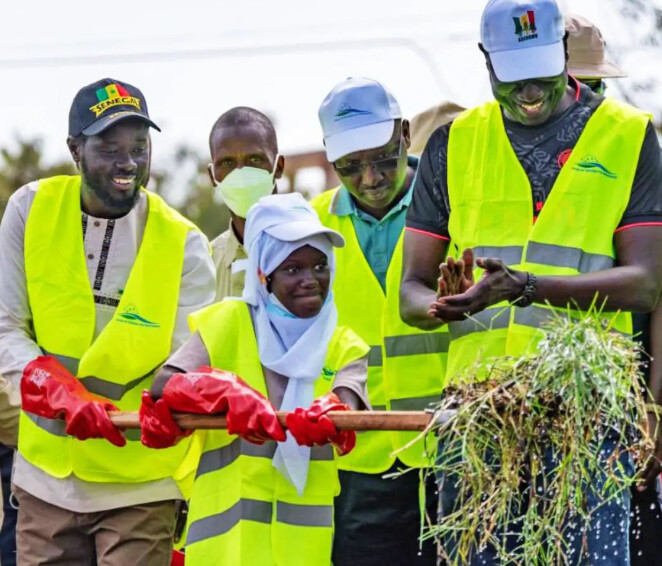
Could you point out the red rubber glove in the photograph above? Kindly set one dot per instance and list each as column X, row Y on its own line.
column 209, row 390
column 49, row 390
column 311, row 427
column 157, row 427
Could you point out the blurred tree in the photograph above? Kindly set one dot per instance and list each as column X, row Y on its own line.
column 201, row 203
column 19, row 167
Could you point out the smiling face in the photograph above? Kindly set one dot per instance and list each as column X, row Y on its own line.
column 114, row 165
column 530, row 102
column 375, row 177
column 301, row 282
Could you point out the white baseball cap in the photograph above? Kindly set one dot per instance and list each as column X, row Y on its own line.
column 288, row 218
column 524, row 40
column 357, row 114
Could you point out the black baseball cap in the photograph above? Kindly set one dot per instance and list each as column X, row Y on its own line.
column 103, row 104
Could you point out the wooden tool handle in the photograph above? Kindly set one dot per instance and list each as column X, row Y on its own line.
column 344, row 420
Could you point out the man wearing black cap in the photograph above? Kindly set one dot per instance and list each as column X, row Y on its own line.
column 97, row 277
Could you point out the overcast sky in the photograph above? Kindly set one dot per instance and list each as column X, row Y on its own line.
column 196, row 60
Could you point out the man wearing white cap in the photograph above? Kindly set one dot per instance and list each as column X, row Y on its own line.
column 558, row 194
column 376, row 519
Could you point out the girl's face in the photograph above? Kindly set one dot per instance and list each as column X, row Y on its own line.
column 301, row 282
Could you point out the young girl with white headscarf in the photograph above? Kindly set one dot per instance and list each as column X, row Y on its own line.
column 269, row 503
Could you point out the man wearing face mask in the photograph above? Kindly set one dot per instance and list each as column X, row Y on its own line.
column 377, row 519
column 558, row 194
column 245, row 164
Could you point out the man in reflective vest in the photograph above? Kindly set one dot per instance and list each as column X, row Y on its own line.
column 377, row 519
column 555, row 191
column 97, row 276
column 245, row 164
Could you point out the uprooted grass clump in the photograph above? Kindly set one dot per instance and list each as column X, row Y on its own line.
column 582, row 386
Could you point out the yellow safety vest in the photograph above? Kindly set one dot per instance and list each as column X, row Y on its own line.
column 406, row 365
column 242, row 510
column 120, row 363
column 491, row 212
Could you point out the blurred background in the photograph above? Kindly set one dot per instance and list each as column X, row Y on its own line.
column 194, row 60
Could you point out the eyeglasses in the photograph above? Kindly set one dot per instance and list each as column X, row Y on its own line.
column 380, row 165
column 598, row 86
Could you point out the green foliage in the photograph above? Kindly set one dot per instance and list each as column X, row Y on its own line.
column 24, row 165
column 201, row 203
column 581, row 387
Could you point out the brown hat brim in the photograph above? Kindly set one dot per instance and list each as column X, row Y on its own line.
column 604, row 70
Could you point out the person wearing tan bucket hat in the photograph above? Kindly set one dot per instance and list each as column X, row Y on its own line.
column 586, row 54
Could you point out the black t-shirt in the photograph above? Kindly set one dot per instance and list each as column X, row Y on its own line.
column 542, row 151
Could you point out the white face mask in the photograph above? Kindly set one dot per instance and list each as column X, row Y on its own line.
column 243, row 187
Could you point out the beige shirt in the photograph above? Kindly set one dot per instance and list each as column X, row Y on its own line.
column 10, row 405
column 110, row 247
column 230, row 261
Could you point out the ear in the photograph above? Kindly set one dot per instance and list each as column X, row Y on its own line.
column 565, row 45
column 210, row 172
column 406, row 133
column 75, row 148
column 280, row 167
column 488, row 63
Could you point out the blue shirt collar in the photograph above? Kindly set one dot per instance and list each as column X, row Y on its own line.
column 344, row 205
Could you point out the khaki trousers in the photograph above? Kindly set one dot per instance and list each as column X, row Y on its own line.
column 141, row 535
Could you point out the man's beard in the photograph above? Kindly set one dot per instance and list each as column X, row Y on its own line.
column 97, row 184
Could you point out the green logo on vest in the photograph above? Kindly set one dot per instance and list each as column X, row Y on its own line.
column 131, row 316
column 590, row 164
column 328, row 374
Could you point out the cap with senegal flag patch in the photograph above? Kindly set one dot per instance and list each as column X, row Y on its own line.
column 524, row 39
column 103, row 104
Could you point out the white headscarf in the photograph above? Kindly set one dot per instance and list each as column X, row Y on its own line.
column 291, row 346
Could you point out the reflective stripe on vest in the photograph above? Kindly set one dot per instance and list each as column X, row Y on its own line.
column 221, row 523
column 58, row 427
column 415, row 344
column 103, row 387
column 572, row 258
column 402, row 353
column 251, row 499
column 260, row 512
column 119, row 361
column 489, row 319
column 415, row 403
column 375, row 356
column 491, row 208
column 218, row 458
column 547, row 254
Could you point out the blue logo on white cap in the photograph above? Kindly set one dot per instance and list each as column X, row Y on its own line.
column 346, row 111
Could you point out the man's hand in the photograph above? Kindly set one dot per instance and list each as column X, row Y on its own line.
column 498, row 283
column 157, row 427
column 654, row 465
column 457, row 277
column 49, row 390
